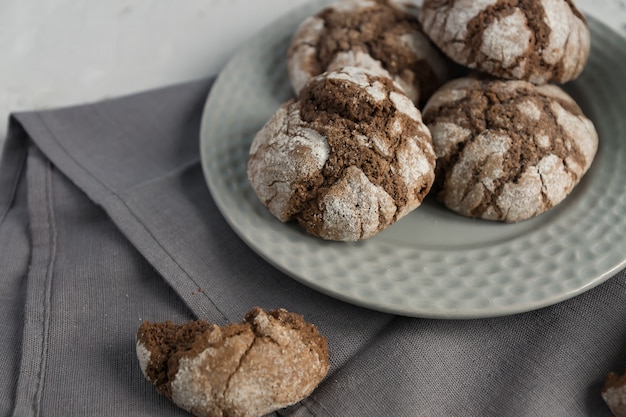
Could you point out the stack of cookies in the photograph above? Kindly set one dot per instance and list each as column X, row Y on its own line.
column 351, row 154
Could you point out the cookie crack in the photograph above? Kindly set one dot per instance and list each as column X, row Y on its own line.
column 442, row 28
column 544, row 194
column 567, row 140
column 227, row 385
column 576, row 11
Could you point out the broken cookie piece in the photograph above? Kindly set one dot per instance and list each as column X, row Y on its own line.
column 614, row 394
column 269, row 361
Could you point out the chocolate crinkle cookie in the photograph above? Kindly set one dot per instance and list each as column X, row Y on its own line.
column 539, row 41
column 507, row 150
column 383, row 36
column 346, row 160
column 269, row 361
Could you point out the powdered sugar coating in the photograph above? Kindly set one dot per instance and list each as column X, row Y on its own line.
column 615, row 399
column 270, row 361
column 505, row 39
column 392, row 45
column 373, row 163
column 530, row 110
column 539, row 40
column 143, row 355
column 201, row 384
column 507, row 150
column 352, row 6
column 286, row 149
column 308, row 35
column 353, row 58
column 614, row 394
column 354, row 206
column 279, row 369
column 405, row 106
column 577, row 127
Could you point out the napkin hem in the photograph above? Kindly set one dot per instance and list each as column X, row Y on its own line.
column 16, row 166
column 39, row 278
column 120, row 213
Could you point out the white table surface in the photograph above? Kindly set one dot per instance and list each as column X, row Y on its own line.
column 62, row 52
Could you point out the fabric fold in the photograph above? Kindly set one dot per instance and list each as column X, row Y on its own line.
column 37, row 308
column 15, row 254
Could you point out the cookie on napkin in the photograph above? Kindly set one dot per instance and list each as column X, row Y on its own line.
column 269, row 361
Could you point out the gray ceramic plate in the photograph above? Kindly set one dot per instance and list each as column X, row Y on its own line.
column 432, row 263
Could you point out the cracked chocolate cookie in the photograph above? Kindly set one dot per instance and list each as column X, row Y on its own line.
column 383, row 36
column 539, row 41
column 346, row 160
column 269, row 361
column 507, row 150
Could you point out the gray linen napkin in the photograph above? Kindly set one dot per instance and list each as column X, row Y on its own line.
column 105, row 220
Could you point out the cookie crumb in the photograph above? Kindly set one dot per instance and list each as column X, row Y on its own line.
column 614, row 394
